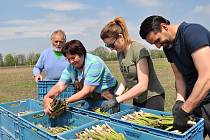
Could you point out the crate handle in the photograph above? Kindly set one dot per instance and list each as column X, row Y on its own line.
column 193, row 132
column 39, row 115
column 16, row 103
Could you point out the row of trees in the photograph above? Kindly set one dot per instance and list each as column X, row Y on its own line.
column 19, row 60
column 107, row 55
column 31, row 59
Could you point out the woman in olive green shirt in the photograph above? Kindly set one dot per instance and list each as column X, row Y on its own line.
column 136, row 67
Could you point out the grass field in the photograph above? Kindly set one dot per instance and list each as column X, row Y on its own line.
column 17, row 83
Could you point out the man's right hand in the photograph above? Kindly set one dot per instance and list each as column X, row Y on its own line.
column 177, row 106
column 38, row 78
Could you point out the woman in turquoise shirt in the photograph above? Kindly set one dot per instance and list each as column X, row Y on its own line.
column 90, row 75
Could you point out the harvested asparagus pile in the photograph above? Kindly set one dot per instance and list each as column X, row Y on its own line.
column 99, row 132
column 152, row 120
column 98, row 110
column 58, row 107
column 55, row 130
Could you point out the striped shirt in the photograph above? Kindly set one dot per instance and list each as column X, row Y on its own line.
column 96, row 73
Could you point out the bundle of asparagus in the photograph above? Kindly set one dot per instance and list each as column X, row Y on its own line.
column 152, row 120
column 103, row 132
column 98, row 110
column 55, row 130
column 58, row 107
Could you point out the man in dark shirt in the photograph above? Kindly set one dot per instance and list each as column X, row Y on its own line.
column 187, row 49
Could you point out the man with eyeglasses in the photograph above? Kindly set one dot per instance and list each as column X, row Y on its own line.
column 51, row 59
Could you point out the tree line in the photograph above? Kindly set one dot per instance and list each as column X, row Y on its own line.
column 32, row 58
column 19, row 59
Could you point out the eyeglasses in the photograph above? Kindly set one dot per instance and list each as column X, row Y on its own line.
column 111, row 46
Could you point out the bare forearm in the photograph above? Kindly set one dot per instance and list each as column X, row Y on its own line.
column 133, row 92
column 142, row 85
column 54, row 91
column 120, row 89
column 76, row 97
column 180, row 90
column 179, row 83
column 81, row 94
column 199, row 92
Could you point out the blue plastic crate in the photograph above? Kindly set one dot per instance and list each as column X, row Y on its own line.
column 30, row 130
column 85, row 107
column 193, row 133
column 45, row 86
column 9, row 114
column 5, row 136
column 129, row 133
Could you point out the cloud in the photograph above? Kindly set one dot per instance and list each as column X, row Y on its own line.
column 202, row 9
column 107, row 12
column 59, row 5
column 149, row 3
column 43, row 27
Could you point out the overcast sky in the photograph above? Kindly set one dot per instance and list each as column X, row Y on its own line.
column 26, row 25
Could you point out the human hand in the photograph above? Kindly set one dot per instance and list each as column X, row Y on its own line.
column 58, row 107
column 38, row 78
column 106, row 105
column 47, row 106
column 116, row 108
column 85, row 105
column 177, row 106
column 180, row 120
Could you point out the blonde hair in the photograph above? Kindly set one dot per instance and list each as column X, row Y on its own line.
column 115, row 27
column 59, row 32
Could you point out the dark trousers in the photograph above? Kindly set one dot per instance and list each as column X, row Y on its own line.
column 203, row 111
column 156, row 102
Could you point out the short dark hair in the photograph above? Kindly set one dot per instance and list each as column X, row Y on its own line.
column 74, row 47
column 151, row 23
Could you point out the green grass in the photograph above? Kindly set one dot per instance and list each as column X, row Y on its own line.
column 17, row 83
column 166, row 77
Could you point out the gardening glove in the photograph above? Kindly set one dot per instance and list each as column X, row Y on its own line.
column 180, row 120
column 116, row 108
column 106, row 105
column 85, row 105
column 177, row 106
